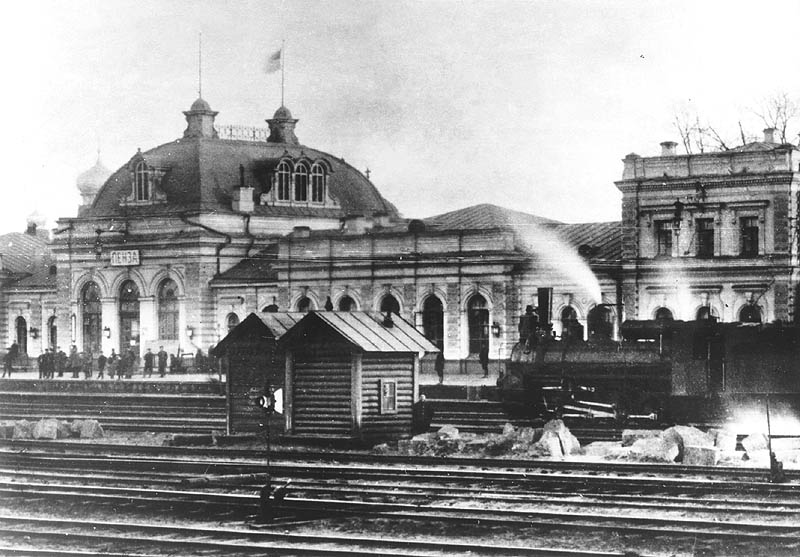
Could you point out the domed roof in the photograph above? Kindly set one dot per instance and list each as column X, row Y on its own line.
column 282, row 114
column 94, row 178
column 200, row 105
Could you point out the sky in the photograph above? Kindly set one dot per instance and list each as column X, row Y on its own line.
column 528, row 105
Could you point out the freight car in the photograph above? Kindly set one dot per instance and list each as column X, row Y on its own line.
column 664, row 370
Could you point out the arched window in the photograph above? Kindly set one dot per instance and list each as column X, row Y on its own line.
column 142, row 182
column 317, row 183
column 477, row 323
column 389, row 304
column 232, row 320
column 272, row 308
column 284, row 180
column 601, row 322
column 663, row 314
column 168, row 312
column 706, row 313
column 750, row 313
column 570, row 326
column 304, row 304
column 52, row 333
column 301, row 183
column 22, row 334
column 346, row 303
column 92, row 317
column 129, row 316
column 433, row 321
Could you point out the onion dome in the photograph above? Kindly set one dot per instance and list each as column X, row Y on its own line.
column 92, row 180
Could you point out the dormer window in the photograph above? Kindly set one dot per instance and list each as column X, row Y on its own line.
column 284, row 179
column 317, row 183
column 301, row 183
column 142, row 182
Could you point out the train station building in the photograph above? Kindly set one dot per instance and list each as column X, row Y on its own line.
column 181, row 243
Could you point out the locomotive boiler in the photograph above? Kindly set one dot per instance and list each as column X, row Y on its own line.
column 663, row 370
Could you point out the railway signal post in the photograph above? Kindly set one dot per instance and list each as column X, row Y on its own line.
column 270, row 402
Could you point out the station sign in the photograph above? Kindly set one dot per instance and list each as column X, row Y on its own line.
column 125, row 258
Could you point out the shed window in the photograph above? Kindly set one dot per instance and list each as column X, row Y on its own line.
column 388, row 396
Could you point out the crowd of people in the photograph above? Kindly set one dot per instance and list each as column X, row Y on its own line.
column 54, row 362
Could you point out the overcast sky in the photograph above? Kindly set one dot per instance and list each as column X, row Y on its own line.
column 528, row 105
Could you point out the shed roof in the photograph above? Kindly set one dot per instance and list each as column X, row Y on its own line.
column 365, row 330
column 265, row 325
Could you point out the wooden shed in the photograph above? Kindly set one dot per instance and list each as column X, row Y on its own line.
column 351, row 375
column 252, row 365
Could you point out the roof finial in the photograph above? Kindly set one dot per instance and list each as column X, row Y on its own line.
column 367, row 172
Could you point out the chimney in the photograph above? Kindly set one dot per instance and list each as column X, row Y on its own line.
column 769, row 135
column 243, row 195
column 669, row 149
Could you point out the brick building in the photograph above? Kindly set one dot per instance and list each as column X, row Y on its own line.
column 712, row 234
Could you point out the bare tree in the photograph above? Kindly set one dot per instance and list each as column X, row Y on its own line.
column 781, row 112
column 696, row 136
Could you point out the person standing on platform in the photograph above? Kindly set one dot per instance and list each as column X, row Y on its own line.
column 148, row 363
column 40, row 361
column 162, row 361
column 112, row 363
column 61, row 362
column 130, row 368
column 101, row 365
column 8, row 361
column 74, row 362
column 49, row 363
column 439, row 366
column 86, row 362
column 483, row 358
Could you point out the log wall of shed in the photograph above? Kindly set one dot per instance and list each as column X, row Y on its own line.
column 388, row 367
column 321, row 390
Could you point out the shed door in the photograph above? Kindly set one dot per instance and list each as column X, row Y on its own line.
column 321, row 392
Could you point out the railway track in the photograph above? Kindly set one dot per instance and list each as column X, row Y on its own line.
column 258, row 456
column 460, row 500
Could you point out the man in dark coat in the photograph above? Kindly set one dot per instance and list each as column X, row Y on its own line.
column 101, row 365
column 8, row 361
column 439, row 366
column 162, row 361
column 148, row 363
column 75, row 363
column 40, row 361
column 483, row 358
column 61, row 362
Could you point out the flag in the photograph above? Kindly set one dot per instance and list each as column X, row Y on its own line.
column 274, row 61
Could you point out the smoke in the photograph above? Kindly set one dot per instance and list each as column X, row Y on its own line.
column 559, row 257
column 751, row 418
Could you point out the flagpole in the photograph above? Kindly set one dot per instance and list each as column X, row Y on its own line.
column 200, row 65
column 283, row 69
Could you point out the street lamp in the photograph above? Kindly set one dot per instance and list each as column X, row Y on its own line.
column 496, row 333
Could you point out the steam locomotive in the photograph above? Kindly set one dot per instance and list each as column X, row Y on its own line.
column 663, row 370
